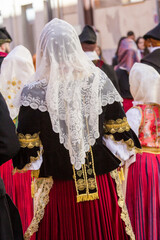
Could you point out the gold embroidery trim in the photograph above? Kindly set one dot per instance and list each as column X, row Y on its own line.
column 29, row 141
column 121, row 202
column 41, row 199
column 87, row 181
column 153, row 150
column 120, row 125
column 129, row 142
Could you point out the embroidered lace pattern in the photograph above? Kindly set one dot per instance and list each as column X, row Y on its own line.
column 41, row 198
column 34, row 94
column 121, row 202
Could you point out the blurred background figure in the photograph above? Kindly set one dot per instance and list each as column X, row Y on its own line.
column 99, row 53
column 115, row 58
column 127, row 56
column 88, row 39
column 16, row 70
column 5, row 40
column 142, row 49
column 131, row 35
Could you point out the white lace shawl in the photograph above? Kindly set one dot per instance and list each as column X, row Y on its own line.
column 70, row 87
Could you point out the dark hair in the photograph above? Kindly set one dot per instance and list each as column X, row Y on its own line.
column 119, row 43
column 130, row 33
column 138, row 40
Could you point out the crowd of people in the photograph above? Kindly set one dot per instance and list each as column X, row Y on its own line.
column 79, row 138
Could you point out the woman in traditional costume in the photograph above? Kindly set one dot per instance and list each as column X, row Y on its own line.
column 68, row 114
column 143, row 184
column 16, row 70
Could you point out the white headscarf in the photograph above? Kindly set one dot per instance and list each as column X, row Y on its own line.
column 76, row 89
column 16, row 70
column 144, row 83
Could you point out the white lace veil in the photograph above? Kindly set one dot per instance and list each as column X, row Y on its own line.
column 76, row 89
column 16, row 70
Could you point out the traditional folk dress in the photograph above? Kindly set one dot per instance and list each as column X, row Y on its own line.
column 10, row 223
column 143, row 198
column 16, row 70
column 67, row 115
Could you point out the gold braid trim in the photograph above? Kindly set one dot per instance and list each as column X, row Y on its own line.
column 153, row 150
column 41, row 199
column 29, row 141
column 122, row 205
column 129, row 142
column 120, row 125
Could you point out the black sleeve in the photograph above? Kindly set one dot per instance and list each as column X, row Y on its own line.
column 111, row 74
column 9, row 144
column 28, row 135
column 116, row 125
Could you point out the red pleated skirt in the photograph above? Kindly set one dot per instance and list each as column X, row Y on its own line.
column 127, row 104
column 18, row 187
column 143, row 196
column 65, row 219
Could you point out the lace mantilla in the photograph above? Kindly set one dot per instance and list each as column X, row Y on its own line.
column 74, row 90
column 34, row 95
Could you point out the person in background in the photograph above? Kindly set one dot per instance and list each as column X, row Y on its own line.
column 16, row 70
column 152, row 40
column 99, row 53
column 5, row 40
column 142, row 49
column 115, row 58
column 131, row 35
column 10, row 223
column 127, row 56
column 71, row 111
column 88, row 39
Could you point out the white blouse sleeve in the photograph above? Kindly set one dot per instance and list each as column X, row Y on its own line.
column 119, row 148
column 134, row 119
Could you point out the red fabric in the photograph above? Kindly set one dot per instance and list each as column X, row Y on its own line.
column 3, row 54
column 143, row 196
column 18, row 187
column 127, row 104
column 65, row 219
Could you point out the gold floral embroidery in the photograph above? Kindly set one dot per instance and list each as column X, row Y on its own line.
column 41, row 198
column 121, row 202
column 120, row 125
column 29, row 141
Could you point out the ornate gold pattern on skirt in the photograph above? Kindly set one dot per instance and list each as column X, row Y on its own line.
column 85, row 180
